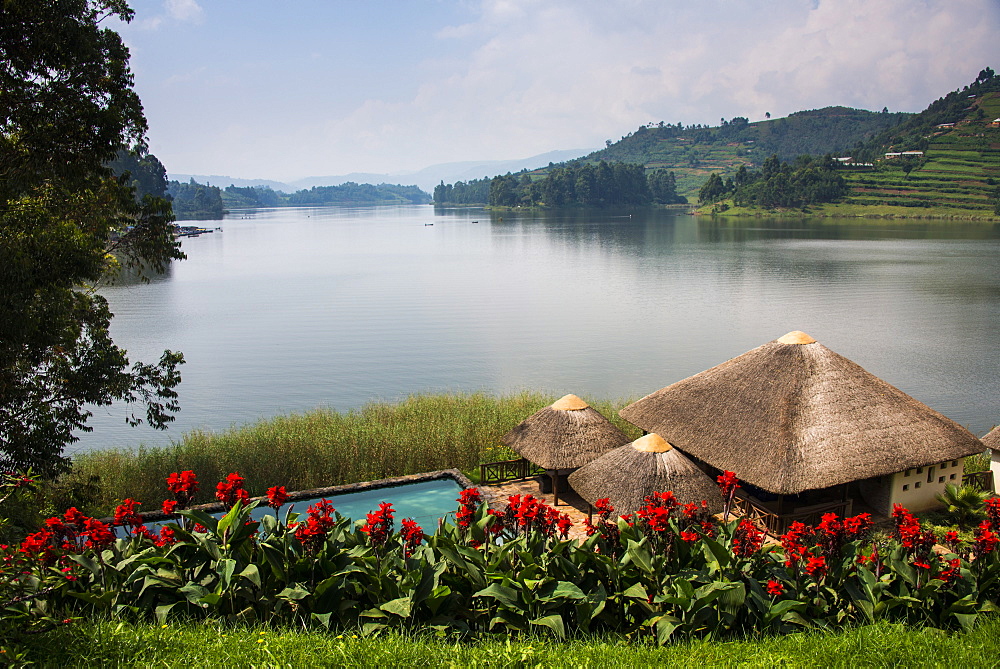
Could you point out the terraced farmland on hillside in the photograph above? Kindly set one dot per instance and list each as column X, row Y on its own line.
column 960, row 171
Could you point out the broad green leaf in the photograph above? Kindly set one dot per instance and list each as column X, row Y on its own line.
column 665, row 627
column 252, row 574
column 637, row 591
column 554, row 623
column 162, row 610
column 506, row 596
column 401, row 607
column 639, row 553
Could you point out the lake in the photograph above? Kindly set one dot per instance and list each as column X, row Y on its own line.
column 289, row 309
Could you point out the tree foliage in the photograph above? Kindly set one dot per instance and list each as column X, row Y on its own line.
column 777, row 184
column 67, row 108
column 573, row 184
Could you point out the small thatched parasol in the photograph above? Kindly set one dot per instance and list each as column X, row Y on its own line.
column 568, row 434
column 992, row 439
column 792, row 415
column 629, row 473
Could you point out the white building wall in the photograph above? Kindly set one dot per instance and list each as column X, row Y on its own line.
column 916, row 488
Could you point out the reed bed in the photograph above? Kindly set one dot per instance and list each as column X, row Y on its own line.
column 321, row 447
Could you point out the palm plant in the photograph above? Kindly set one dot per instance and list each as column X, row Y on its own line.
column 965, row 504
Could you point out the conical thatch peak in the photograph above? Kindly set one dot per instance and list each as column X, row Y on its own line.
column 796, row 337
column 651, row 443
column 628, row 474
column 788, row 418
column 992, row 439
column 569, row 403
column 564, row 438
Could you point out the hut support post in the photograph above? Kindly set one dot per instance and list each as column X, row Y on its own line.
column 555, row 488
column 590, row 513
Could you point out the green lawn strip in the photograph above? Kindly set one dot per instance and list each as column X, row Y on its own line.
column 110, row 644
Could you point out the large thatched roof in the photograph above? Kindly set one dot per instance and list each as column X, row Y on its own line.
column 792, row 415
column 627, row 474
column 567, row 434
column 992, row 439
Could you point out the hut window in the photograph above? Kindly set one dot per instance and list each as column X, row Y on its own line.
column 906, row 487
column 952, row 477
column 943, row 465
column 940, row 479
column 920, row 470
column 906, row 473
column 954, row 463
column 917, row 484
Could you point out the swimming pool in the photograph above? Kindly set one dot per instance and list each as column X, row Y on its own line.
column 425, row 502
column 425, row 498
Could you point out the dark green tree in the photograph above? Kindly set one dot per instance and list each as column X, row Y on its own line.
column 67, row 108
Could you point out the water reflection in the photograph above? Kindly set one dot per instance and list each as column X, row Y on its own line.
column 288, row 309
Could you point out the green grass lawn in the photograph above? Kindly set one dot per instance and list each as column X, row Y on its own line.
column 110, row 644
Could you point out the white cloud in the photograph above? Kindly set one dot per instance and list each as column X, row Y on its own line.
column 539, row 75
column 184, row 10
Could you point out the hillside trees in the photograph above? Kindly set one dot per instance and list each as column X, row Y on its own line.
column 67, row 108
column 778, row 184
column 573, row 184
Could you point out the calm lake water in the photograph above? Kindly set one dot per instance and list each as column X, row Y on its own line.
column 290, row 309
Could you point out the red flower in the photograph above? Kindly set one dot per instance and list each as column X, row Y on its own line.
column 169, row 506
column 951, row 537
column 276, row 497
column 952, row 571
column 775, row 588
column 231, row 490
column 74, row 517
column 816, row 567
column 167, row 537
column 747, row 539
column 728, row 483
column 184, row 486
column 689, row 537
column 993, row 511
column 378, row 525
column 412, row 534
column 604, row 507
column 125, row 513
column 98, row 534
column 312, row 533
column 565, row 523
column 986, row 540
column 469, row 502
column 857, row 526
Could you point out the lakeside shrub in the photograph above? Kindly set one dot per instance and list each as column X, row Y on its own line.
column 320, row 448
column 669, row 572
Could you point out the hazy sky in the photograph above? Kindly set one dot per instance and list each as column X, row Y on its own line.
column 283, row 90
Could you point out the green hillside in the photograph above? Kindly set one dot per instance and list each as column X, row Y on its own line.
column 959, row 171
column 694, row 153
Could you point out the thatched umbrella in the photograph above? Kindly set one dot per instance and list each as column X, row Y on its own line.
column 566, row 435
column 792, row 415
column 629, row 473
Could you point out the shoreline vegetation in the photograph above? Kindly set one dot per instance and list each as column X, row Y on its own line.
column 318, row 448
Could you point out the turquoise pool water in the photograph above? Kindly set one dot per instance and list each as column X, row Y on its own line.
column 425, row 502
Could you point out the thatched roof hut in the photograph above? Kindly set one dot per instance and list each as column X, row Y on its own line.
column 792, row 415
column 568, row 434
column 627, row 474
column 992, row 439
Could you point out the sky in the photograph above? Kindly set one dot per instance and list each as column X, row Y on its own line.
column 286, row 90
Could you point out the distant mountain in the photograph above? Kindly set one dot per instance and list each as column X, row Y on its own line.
column 222, row 181
column 426, row 179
